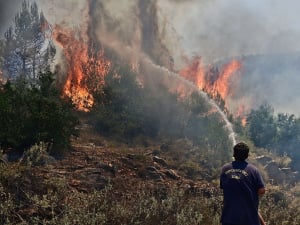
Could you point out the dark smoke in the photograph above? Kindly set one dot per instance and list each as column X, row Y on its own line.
column 137, row 30
column 151, row 39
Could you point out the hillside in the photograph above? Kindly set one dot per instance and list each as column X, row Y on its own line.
column 102, row 181
column 130, row 177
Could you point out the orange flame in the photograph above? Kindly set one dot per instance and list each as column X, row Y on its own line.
column 85, row 73
column 241, row 113
column 195, row 73
column 222, row 84
column 210, row 79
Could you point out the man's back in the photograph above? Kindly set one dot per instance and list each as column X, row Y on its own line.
column 240, row 182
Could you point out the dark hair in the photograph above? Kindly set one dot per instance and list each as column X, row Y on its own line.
column 240, row 151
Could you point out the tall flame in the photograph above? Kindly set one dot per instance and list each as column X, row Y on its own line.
column 210, row 79
column 222, row 84
column 195, row 72
column 81, row 68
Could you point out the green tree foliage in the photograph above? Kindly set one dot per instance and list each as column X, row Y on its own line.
column 288, row 137
column 31, row 114
column 279, row 133
column 28, row 49
column 262, row 127
column 197, row 104
column 206, row 129
column 120, row 111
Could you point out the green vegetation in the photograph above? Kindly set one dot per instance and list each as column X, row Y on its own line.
column 32, row 114
column 31, row 108
column 120, row 110
column 278, row 133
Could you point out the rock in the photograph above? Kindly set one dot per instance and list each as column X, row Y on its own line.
column 172, row 174
column 153, row 173
column 264, row 160
column 274, row 172
column 4, row 159
column 159, row 160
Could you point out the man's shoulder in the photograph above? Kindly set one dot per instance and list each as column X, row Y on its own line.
column 226, row 166
column 252, row 167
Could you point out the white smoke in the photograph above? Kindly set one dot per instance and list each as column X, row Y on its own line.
column 221, row 29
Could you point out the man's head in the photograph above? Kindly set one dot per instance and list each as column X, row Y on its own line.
column 240, row 151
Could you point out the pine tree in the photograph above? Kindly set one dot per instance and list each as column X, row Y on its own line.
column 28, row 48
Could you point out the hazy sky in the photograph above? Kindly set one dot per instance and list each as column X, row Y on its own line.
column 221, row 28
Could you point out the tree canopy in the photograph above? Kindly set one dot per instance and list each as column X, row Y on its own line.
column 27, row 46
column 33, row 114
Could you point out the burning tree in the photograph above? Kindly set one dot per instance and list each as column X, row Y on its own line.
column 86, row 67
column 28, row 49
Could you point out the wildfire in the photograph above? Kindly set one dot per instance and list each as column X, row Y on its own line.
column 222, row 84
column 195, row 73
column 85, row 71
column 210, row 79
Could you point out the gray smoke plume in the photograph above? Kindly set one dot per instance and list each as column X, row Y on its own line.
column 220, row 29
column 130, row 28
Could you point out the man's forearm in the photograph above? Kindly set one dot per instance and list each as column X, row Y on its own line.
column 261, row 220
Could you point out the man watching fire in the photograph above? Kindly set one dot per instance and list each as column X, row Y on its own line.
column 242, row 185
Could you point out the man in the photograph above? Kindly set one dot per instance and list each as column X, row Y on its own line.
column 242, row 186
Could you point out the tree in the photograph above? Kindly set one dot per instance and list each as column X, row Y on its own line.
column 28, row 49
column 198, row 104
column 35, row 113
column 288, row 137
column 262, row 126
column 119, row 110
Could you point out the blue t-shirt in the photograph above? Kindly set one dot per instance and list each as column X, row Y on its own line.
column 240, row 182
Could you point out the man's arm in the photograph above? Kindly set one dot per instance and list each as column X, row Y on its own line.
column 261, row 220
column 261, row 191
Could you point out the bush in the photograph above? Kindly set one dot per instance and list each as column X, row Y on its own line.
column 32, row 114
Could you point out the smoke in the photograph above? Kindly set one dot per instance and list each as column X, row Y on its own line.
column 220, row 29
column 213, row 29
column 166, row 31
column 263, row 34
column 273, row 79
column 7, row 12
column 70, row 13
